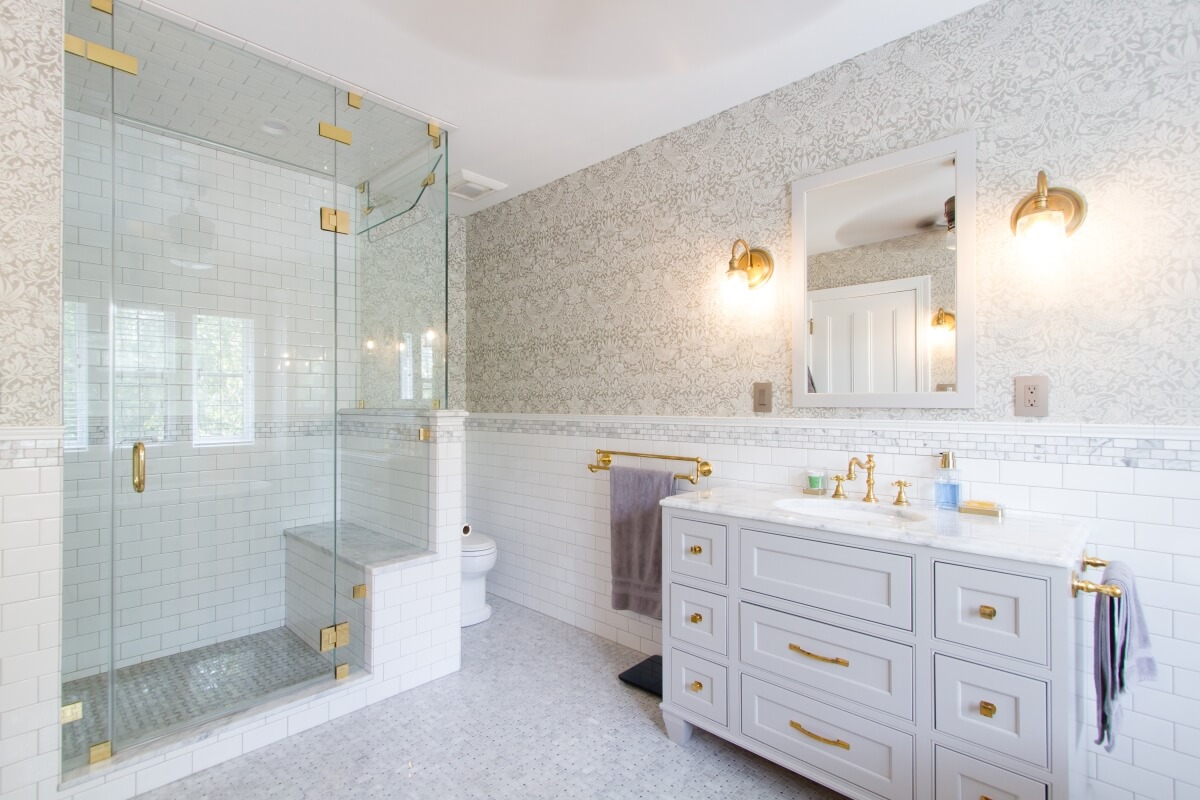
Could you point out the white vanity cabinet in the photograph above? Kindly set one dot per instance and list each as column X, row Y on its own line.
column 921, row 657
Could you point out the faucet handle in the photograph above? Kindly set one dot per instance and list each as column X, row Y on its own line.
column 839, row 493
column 901, row 498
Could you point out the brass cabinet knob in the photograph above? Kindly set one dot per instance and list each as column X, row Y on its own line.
column 697, row 618
column 697, row 686
column 987, row 612
column 696, row 549
column 987, row 709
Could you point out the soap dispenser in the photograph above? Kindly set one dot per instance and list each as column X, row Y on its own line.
column 946, row 489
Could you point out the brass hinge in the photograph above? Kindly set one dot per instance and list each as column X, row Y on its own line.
column 102, row 5
column 100, row 54
column 99, row 752
column 430, row 179
column 354, row 100
column 334, row 220
column 811, row 328
column 341, row 671
column 435, row 133
column 359, row 592
column 72, row 712
column 422, row 434
column 335, row 636
column 334, row 132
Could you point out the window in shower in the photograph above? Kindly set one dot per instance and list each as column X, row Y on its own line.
column 222, row 380
column 75, row 375
column 144, row 361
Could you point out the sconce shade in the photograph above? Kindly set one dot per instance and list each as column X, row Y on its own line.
column 755, row 264
column 944, row 319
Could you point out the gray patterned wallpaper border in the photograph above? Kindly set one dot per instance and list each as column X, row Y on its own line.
column 1093, row 445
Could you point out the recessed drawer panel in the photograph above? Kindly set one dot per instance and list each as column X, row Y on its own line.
column 992, row 708
column 957, row 777
column 862, row 668
column 855, row 749
column 848, row 580
column 699, row 618
column 993, row 611
column 698, row 685
column 698, row 549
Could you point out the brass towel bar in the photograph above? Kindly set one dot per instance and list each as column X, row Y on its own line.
column 604, row 461
column 1079, row 585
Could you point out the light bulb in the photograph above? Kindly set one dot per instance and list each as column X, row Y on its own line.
column 370, row 344
column 430, row 335
column 1042, row 235
column 736, row 284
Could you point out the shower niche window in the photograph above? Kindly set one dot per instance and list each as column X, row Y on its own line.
column 224, row 500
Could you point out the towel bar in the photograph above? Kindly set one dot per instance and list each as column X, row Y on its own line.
column 604, row 462
column 1079, row 585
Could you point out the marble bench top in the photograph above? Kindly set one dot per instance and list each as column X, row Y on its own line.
column 357, row 545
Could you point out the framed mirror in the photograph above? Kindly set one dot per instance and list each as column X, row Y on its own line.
column 884, row 304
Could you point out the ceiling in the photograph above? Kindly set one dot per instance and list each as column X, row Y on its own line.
column 538, row 89
column 880, row 206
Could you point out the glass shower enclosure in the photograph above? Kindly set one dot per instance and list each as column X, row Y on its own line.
column 232, row 228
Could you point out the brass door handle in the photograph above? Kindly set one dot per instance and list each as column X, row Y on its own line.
column 818, row 737
column 795, row 648
column 987, row 612
column 697, row 618
column 697, row 686
column 987, row 709
column 139, row 467
column 696, row 549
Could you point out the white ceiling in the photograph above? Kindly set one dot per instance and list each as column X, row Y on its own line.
column 541, row 88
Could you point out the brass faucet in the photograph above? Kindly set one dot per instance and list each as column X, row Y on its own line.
column 869, row 466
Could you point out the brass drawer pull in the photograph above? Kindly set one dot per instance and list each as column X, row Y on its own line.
column 818, row 737
column 139, row 467
column 987, row 612
column 987, row 709
column 696, row 549
column 697, row 686
column 841, row 662
column 697, row 618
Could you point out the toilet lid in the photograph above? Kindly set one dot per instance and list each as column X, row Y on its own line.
column 473, row 542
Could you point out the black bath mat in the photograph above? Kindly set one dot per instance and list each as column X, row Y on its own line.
column 646, row 675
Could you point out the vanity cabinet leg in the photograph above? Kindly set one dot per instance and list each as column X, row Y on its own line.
column 679, row 730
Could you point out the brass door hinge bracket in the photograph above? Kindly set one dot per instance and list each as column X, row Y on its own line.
column 102, row 5
column 72, row 712
column 435, row 133
column 430, row 179
column 335, row 636
column 334, row 220
column 422, row 434
column 100, row 54
column 334, row 132
column 341, row 671
column 811, row 327
column 100, row 752
column 359, row 592
column 354, row 100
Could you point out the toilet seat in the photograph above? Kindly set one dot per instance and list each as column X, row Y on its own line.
column 477, row 544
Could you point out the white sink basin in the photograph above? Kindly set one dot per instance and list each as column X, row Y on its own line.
column 850, row 510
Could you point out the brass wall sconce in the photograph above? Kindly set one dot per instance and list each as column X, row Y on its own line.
column 1049, row 215
column 751, row 269
column 944, row 319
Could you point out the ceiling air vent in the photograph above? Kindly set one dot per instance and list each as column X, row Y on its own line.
column 472, row 186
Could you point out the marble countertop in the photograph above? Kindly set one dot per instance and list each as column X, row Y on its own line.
column 1027, row 537
column 357, row 545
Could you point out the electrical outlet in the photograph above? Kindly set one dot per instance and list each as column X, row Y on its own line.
column 1031, row 396
column 762, row 397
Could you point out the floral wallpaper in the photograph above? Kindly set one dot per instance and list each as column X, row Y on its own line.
column 598, row 293
column 30, row 210
column 912, row 256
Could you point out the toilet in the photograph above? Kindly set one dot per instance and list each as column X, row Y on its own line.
column 478, row 556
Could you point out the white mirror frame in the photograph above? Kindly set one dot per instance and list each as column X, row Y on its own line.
column 962, row 147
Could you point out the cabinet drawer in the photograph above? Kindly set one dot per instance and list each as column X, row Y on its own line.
column 698, row 685
column 862, row 668
column 699, row 618
column 855, row 749
column 957, row 777
column 698, row 549
column 848, row 580
column 992, row 708
column 993, row 611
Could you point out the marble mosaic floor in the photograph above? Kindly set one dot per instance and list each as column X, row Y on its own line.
column 157, row 696
column 536, row 712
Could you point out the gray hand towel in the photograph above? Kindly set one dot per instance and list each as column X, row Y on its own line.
column 1121, row 649
column 636, row 537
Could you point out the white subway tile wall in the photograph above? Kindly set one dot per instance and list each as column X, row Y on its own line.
column 528, row 487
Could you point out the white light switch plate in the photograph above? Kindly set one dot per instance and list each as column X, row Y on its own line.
column 1031, row 396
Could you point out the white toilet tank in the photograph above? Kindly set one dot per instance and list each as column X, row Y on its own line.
column 478, row 557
